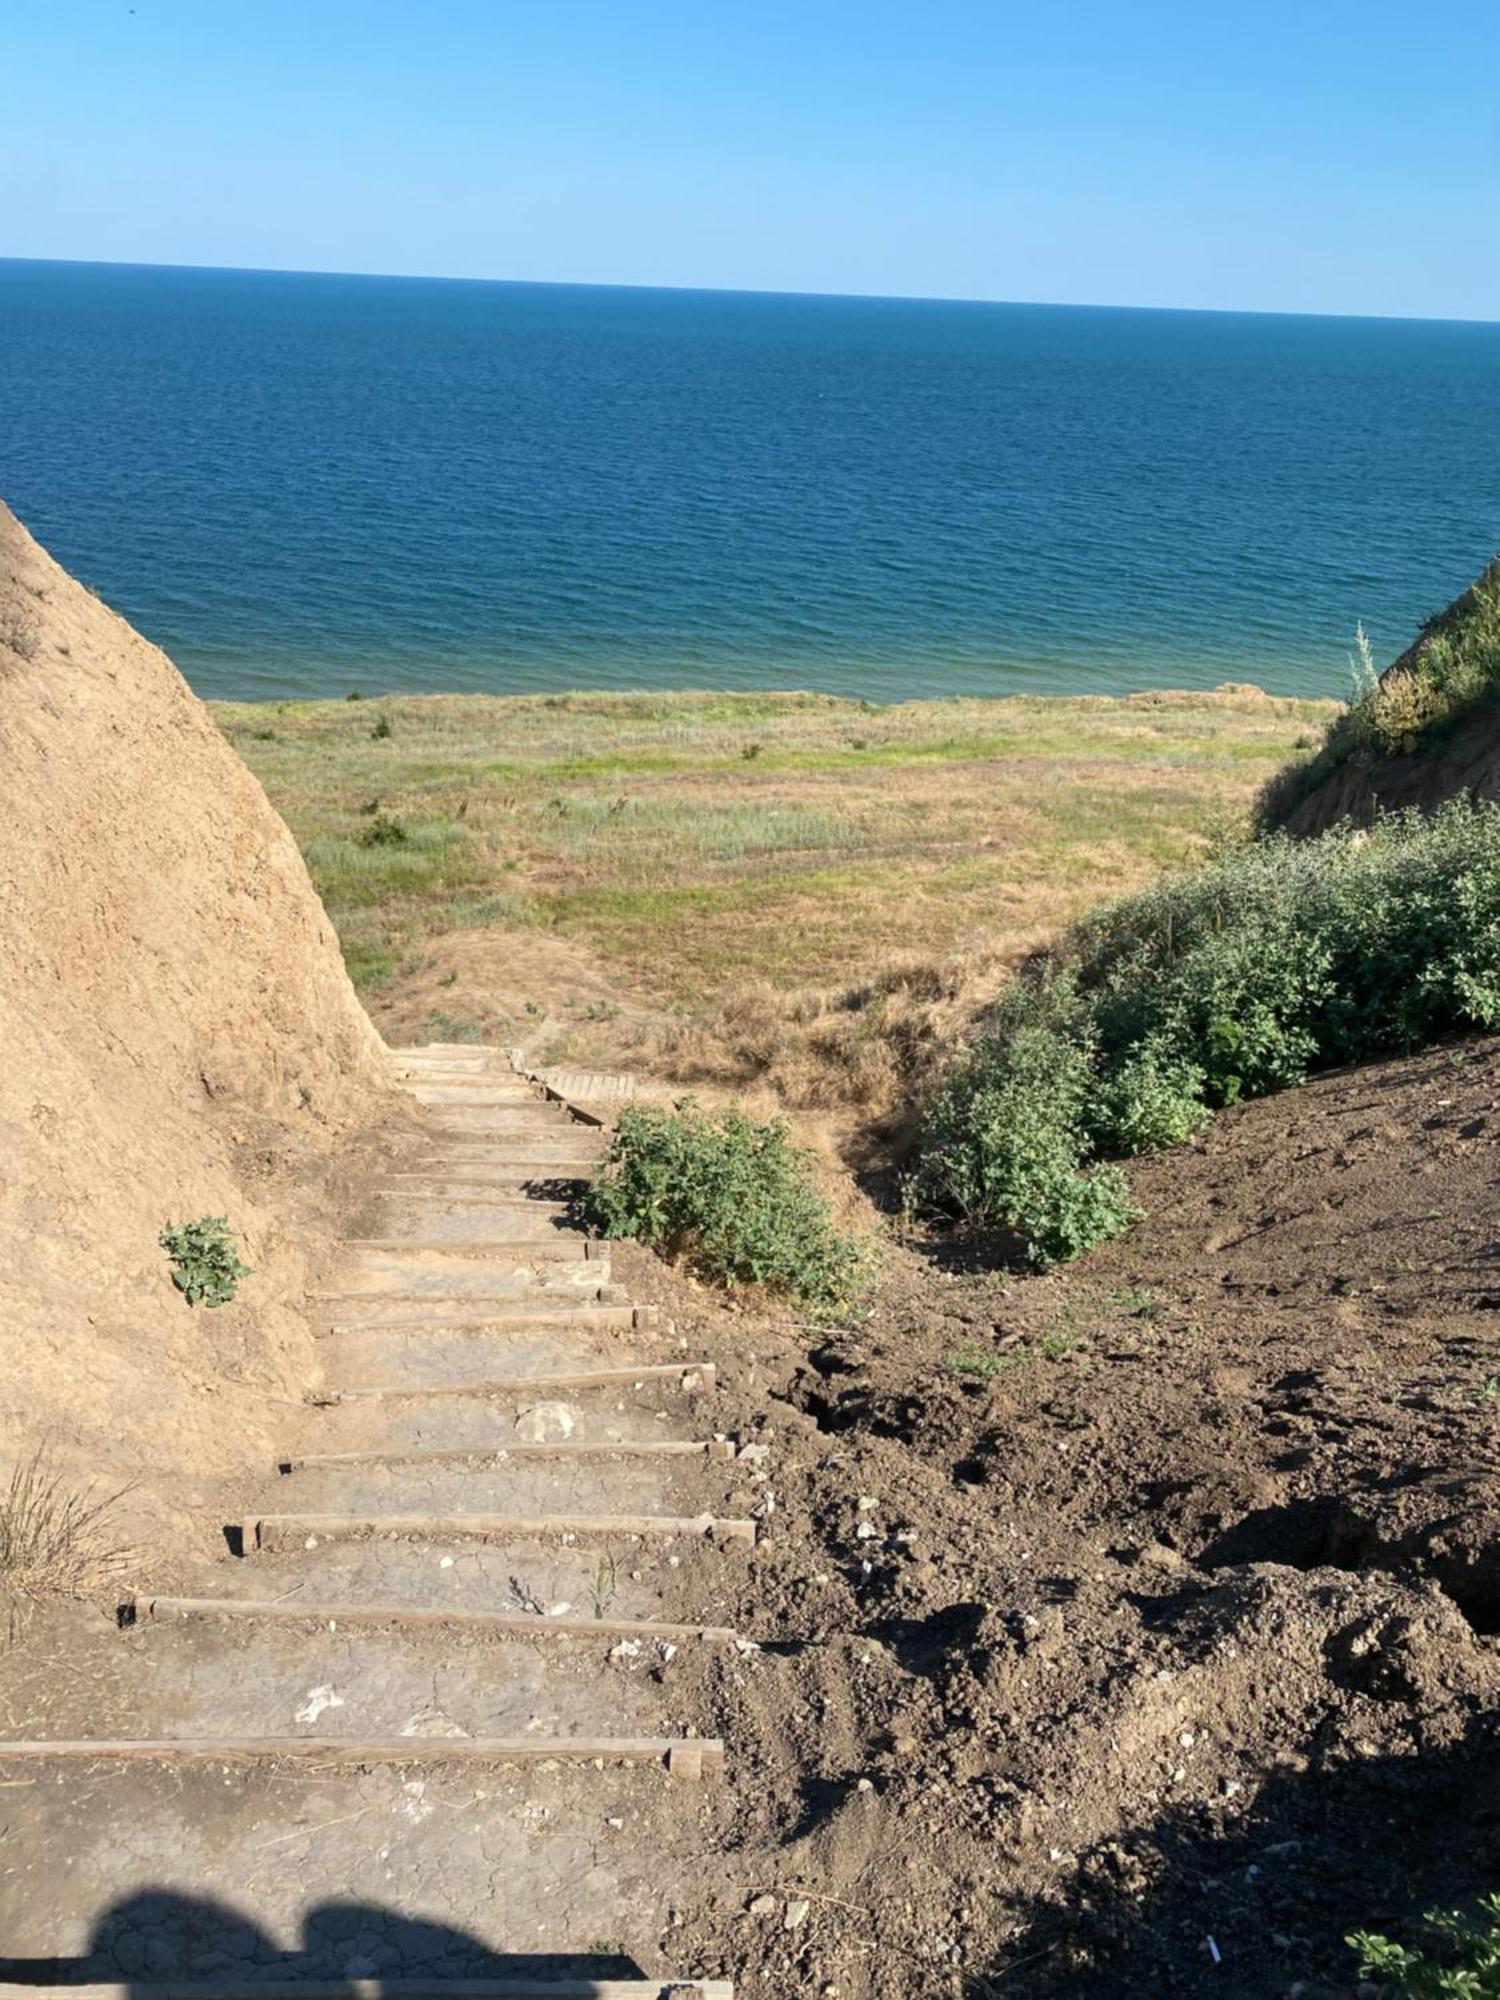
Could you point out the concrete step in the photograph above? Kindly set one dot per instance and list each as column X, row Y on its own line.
column 271, row 1531
column 534, row 1485
column 493, row 1093
column 557, row 1308
column 430, row 1219
column 537, row 1282
column 716, row 1451
column 563, row 1245
column 682, row 1581
column 439, row 1868
column 688, row 1375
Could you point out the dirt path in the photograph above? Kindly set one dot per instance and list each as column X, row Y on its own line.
column 421, row 1721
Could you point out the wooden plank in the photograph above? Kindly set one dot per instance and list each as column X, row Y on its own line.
column 687, row 1757
column 688, row 1374
column 503, row 1624
column 266, row 1531
column 540, row 1987
column 716, row 1450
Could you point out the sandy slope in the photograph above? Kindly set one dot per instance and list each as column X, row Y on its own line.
column 179, row 1038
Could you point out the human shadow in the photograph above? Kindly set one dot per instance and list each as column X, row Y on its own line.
column 161, row 1937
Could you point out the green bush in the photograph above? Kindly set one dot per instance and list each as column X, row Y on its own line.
column 733, row 1196
column 1467, row 1965
column 1280, row 959
column 1004, row 1140
column 204, row 1264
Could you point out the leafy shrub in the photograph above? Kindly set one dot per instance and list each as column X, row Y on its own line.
column 1004, row 1140
column 735, row 1196
column 1466, row 1967
column 1279, row 959
column 381, row 730
column 204, row 1263
column 383, row 831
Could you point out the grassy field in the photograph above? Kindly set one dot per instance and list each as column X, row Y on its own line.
column 682, row 845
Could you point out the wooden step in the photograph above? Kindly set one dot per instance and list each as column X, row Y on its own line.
column 686, row 1757
column 687, row 1374
column 716, row 1451
column 499, row 1624
column 541, row 1987
column 267, row 1531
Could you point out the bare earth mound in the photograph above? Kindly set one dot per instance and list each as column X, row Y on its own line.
column 1137, row 1623
column 180, row 1039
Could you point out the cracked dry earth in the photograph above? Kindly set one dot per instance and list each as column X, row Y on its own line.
column 426, row 1719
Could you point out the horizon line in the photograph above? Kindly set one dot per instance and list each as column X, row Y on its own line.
column 744, row 291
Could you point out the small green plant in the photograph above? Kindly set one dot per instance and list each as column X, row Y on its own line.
column 204, row 1263
column 383, row 831
column 602, row 1585
column 381, row 730
column 977, row 1362
column 452, row 1027
column 1465, row 1966
column 735, row 1197
column 751, row 751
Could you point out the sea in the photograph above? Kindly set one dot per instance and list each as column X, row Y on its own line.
column 306, row 485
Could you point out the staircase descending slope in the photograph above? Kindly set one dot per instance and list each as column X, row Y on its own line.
column 413, row 1734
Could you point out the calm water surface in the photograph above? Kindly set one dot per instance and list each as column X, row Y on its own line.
column 303, row 484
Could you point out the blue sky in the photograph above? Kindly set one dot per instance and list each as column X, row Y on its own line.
column 1323, row 156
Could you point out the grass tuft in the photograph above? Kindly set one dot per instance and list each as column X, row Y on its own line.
column 56, row 1540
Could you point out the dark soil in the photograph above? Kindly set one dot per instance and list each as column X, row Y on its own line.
column 1131, row 1630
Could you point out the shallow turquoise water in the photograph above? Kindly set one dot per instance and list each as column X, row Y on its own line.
column 300, row 485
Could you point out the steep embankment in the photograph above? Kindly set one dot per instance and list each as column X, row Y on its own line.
column 1427, row 730
column 180, row 1039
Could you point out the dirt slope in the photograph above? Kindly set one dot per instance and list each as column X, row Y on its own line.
column 1349, row 779
column 1146, row 1603
column 179, row 1039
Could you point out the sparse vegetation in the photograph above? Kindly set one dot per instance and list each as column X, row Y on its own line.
column 54, row 1538
column 205, row 1265
column 1465, row 1965
column 733, row 1196
column 634, row 826
column 1280, row 959
column 1452, row 669
column 603, row 1585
